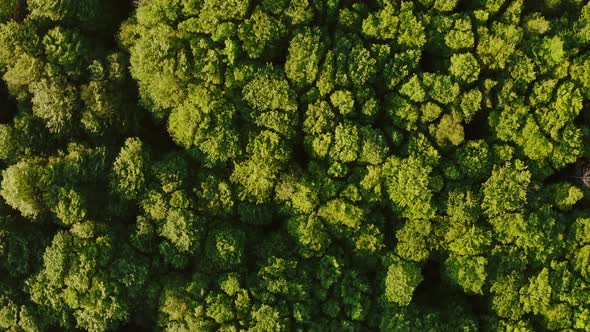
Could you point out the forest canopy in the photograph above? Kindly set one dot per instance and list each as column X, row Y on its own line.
column 294, row 165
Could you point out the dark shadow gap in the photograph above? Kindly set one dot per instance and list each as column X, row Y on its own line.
column 8, row 105
column 121, row 10
column 478, row 127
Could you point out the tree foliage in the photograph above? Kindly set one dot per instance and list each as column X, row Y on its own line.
column 294, row 165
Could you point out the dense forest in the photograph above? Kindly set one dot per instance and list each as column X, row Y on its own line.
column 295, row 165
